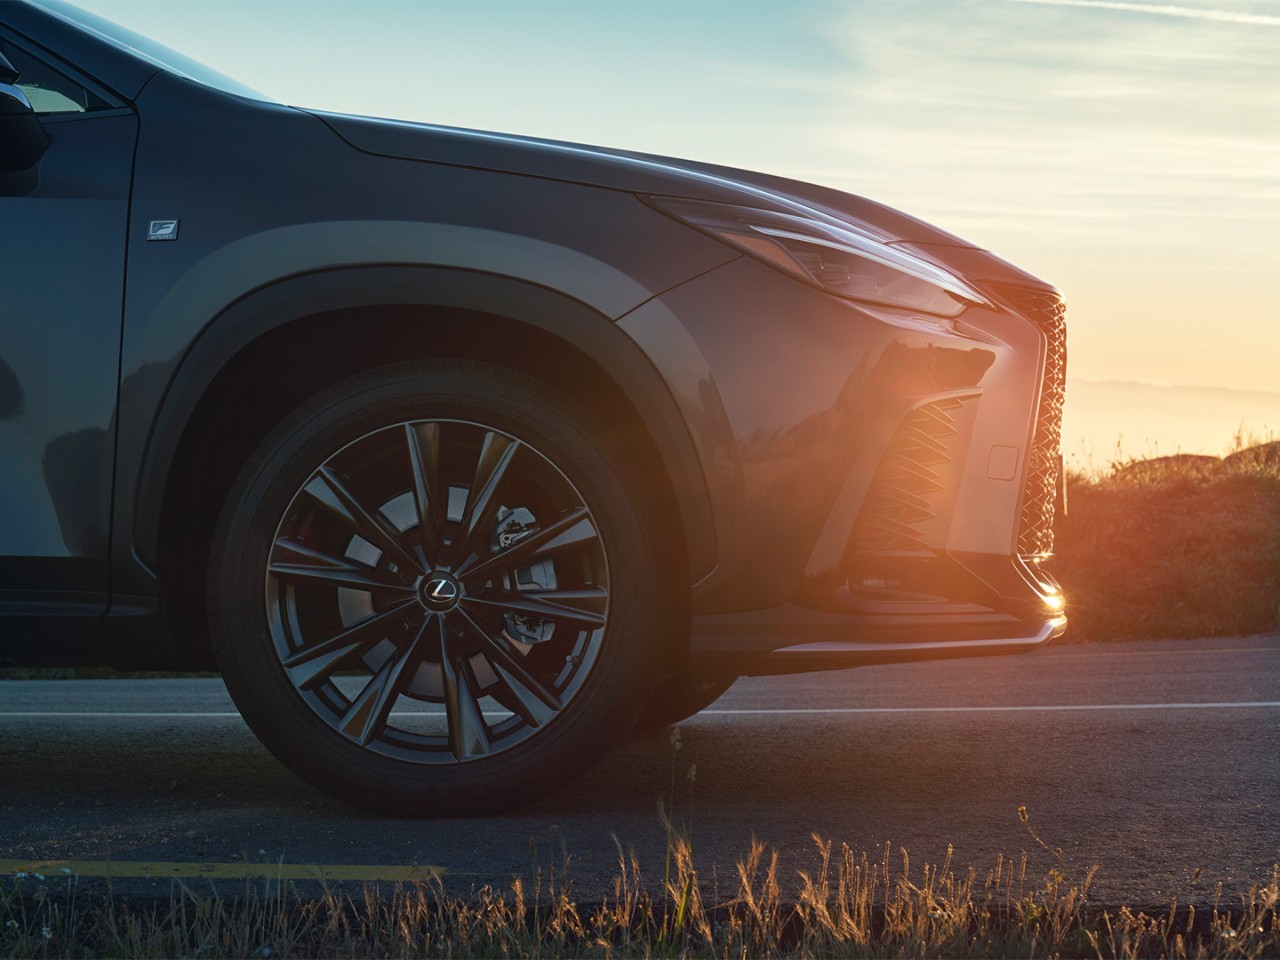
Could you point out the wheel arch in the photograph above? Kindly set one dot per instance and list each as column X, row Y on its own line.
column 268, row 350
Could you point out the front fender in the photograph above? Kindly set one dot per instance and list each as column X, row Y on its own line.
column 299, row 297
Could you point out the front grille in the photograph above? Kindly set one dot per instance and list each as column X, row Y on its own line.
column 902, row 498
column 1048, row 312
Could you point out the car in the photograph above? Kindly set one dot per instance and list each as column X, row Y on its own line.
column 463, row 455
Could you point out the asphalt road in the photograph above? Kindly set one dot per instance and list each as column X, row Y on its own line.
column 1148, row 759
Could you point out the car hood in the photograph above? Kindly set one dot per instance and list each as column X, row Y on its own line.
column 622, row 170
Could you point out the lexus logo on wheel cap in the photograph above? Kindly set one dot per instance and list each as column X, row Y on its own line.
column 440, row 592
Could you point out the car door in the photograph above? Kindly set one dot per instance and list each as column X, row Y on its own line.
column 62, row 257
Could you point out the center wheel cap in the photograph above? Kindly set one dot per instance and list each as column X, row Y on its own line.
column 439, row 592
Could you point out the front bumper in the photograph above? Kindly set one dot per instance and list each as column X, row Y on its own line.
column 884, row 483
column 830, row 647
column 988, row 605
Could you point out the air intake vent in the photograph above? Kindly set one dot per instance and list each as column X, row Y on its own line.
column 909, row 486
column 1048, row 312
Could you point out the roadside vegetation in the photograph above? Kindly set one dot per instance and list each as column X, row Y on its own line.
column 848, row 905
column 1180, row 546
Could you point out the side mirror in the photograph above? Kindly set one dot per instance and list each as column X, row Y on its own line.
column 22, row 137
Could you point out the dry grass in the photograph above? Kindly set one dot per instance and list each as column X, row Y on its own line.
column 1184, row 546
column 849, row 905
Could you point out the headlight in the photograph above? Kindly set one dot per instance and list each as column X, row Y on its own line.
column 837, row 257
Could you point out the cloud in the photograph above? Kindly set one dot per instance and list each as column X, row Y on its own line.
column 1167, row 10
column 981, row 110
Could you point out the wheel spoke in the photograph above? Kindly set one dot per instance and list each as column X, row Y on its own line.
column 573, row 529
column 582, row 607
column 367, row 715
column 468, row 735
column 495, row 457
column 313, row 665
column 328, row 489
column 532, row 700
column 424, row 457
column 331, row 570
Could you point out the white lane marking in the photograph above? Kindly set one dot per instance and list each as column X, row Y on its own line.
column 781, row 711
column 215, row 714
column 1191, row 651
column 106, row 714
column 1049, row 708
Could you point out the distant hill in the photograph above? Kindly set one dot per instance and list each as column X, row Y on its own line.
column 1174, row 546
column 1110, row 420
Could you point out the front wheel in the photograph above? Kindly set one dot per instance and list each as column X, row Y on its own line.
column 432, row 592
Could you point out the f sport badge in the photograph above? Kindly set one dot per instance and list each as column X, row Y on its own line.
column 163, row 230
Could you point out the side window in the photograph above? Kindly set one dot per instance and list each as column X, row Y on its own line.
column 49, row 90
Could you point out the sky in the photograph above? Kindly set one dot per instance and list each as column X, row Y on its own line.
column 1128, row 152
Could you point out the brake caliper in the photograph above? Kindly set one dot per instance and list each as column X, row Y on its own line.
column 512, row 526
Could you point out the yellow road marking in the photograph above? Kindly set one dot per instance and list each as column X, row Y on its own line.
column 160, row 870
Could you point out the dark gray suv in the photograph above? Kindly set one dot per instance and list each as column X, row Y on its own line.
column 461, row 455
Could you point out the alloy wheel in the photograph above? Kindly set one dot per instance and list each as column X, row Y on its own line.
column 437, row 591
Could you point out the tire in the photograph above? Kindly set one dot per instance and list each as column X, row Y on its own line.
column 432, row 592
column 680, row 697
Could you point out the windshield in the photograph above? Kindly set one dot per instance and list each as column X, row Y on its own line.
column 154, row 53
